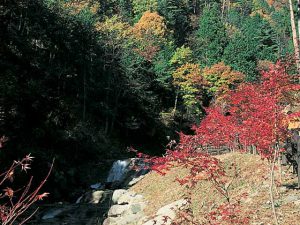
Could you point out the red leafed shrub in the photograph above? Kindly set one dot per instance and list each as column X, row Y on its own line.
column 14, row 203
column 227, row 214
column 253, row 115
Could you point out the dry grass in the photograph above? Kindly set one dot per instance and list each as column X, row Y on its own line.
column 253, row 179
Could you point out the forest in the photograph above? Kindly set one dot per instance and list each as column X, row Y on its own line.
column 83, row 80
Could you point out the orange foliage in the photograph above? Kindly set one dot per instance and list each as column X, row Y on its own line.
column 150, row 24
column 149, row 32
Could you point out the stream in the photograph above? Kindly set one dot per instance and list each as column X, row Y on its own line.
column 91, row 208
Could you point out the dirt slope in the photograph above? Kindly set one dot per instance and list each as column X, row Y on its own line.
column 252, row 183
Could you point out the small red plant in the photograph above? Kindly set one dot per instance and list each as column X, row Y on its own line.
column 14, row 203
column 227, row 213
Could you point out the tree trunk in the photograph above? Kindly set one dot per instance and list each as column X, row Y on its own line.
column 175, row 104
column 298, row 160
column 295, row 39
column 272, row 166
column 223, row 7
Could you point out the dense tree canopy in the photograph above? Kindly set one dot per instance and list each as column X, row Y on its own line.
column 81, row 80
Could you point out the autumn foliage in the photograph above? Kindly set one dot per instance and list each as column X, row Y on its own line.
column 252, row 116
column 221, row 79
column 150, row 32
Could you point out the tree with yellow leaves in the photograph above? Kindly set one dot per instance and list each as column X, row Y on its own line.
column 150, row 33
column 190, row 85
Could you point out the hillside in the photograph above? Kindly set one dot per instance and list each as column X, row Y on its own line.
column 252, row 179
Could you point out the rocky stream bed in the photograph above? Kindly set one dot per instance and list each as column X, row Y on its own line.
column 110, row 203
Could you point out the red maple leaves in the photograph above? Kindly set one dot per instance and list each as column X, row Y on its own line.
column 253, row 115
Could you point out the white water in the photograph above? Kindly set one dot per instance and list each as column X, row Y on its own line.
column 118, row 170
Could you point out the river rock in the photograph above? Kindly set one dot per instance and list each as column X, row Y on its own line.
column 159, row 220
column 135, row 180
column 117, row 194
column 128, row 209
column 136, row 208
column 174, row 206
column 166, row 214
column 111, row 221
column 126, row 197
column 96, row 197
column 117, row 210
column 52, row 213
column 93, row 197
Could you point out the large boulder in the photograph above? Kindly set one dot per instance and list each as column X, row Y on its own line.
column 117, row 210
column 128, row 209
column 130, row 197
column 93, row 197
column 117, row 194
column 166, row 214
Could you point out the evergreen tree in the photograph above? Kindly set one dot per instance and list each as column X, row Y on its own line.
column 175, row 13
column 211, row 38
column 141, row 6
column 255, row 41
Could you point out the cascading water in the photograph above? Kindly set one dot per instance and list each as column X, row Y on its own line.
column 118, row 171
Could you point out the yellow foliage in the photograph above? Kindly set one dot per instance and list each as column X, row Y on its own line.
column 150, row 24
column 149, row 33
column 191, row 84
column 114, row 28
column 188, row 74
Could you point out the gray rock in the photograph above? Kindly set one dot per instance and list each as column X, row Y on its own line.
column 168, row 210
column 136, row 208
column 135, row 180
column 117, row 210
column 159, row 220
column 96, row 197
column 117, row 194
column 111, row 221
column 130, row 219
column 126, row 198
column 52, row 213
column 91, row 197
column 166, row 214
column 291, row 198
column 128, row 209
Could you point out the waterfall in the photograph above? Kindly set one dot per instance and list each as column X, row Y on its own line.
column 118, row 171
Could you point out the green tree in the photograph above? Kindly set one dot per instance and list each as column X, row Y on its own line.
column 176, row 15
column 211, row 38
column 141, row 6
column 161, row 65
column 255, row 41
column 181, row 56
